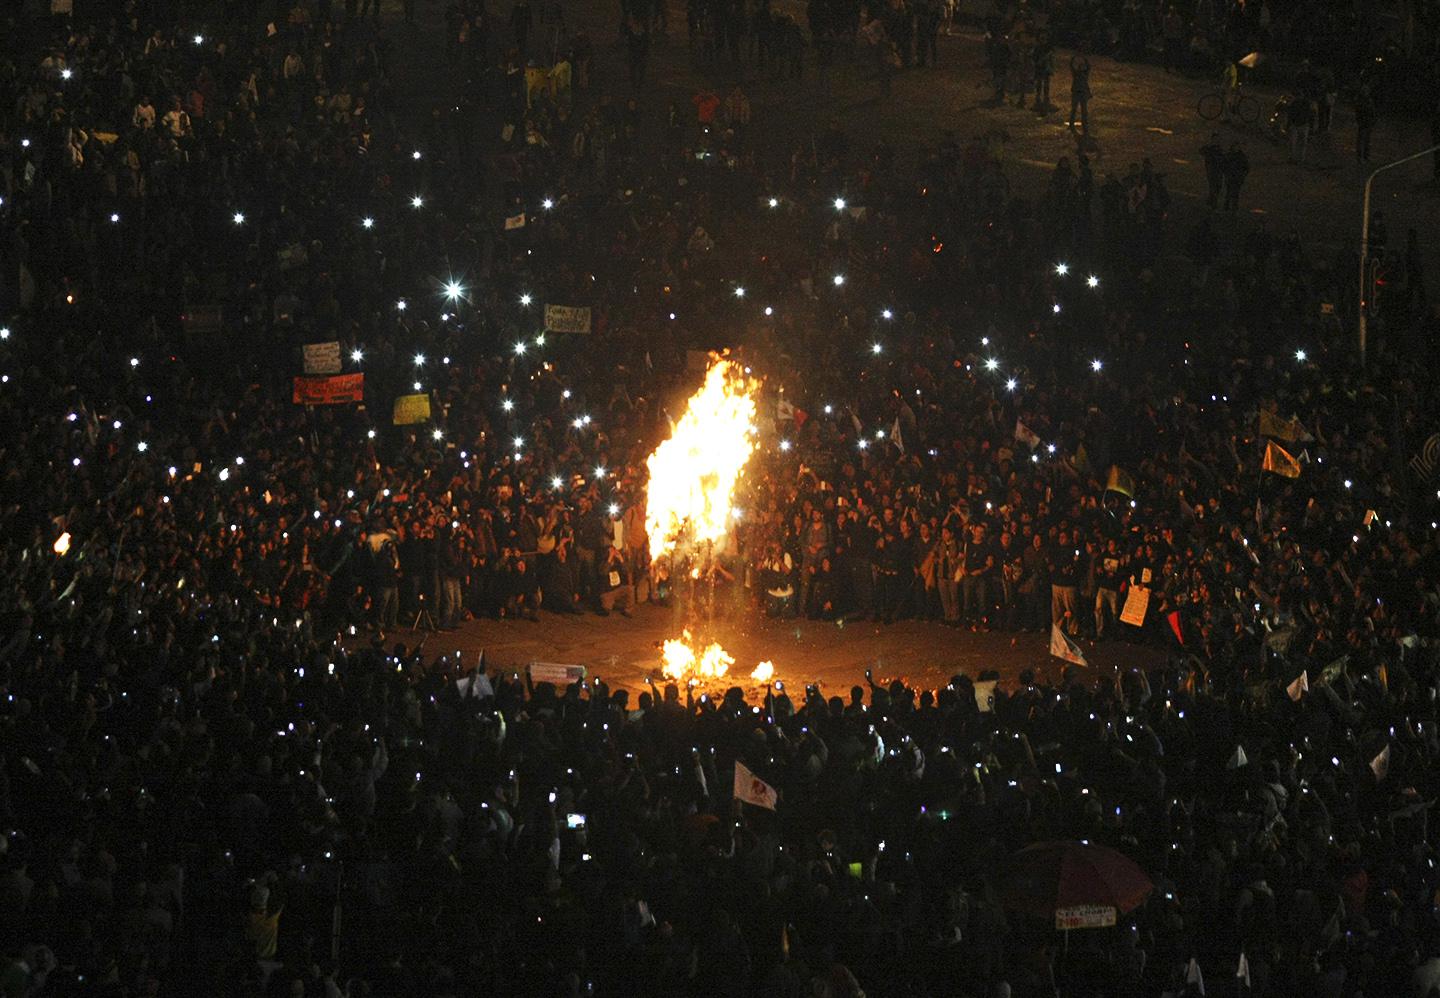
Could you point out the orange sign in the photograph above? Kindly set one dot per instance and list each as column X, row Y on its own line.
column 336, row 389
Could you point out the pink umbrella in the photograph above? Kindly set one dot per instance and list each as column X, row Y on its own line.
column 1049, row 876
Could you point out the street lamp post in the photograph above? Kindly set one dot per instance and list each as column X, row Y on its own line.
column 1365, row 241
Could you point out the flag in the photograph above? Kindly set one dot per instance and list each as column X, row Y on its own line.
column 1380, row 765
column 855, row 421
column 1120, row 481
column 1300, row 686
column 1193, row 977
column 1382, row 676
column 1242, row 971
column 1259, row 515
column 784, row 411
column 1026, row 436
column 1289, row 430
column 1062, row 647
column 1238, row 758
column 1279, row 461
column 1173, row 619
column 895, row 437
column 751, row 789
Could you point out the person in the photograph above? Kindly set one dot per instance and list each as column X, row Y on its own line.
column 1063, row 562
column 979, row 561
column 1109, row 570
column 1365, row 116
column 1300, row 118
column 1213, row 155
column 1044, row 59
column 1237, row 167
column 1174, row 35
column 1229, row 89
column 1080, row 91
column 949, row 571
column 998, row 54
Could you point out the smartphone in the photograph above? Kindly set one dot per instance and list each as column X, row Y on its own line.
column 573, row 821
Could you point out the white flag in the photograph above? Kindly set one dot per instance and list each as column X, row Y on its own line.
column 751, row 789
column 1300, row 686
column 1193, row 977
column 1380, row 765
column 1062, row 647
column 1026, row 435
column 895, row 437
column 1238, row 759
column 1242, row 971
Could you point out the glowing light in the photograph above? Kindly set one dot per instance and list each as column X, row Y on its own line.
column 370, row 434
column 224, row 474
column 238, row 218
column 577, row 422
column 1055, row 308
column 829, row 409
column 739, row 292
column 774, row 202
column 992, row 364
column 556, row 482
column 62, row 544
column 693, row 474
column 419, row 360
column 540, row 340
column 547, row 204
column 417, row 201
column 507, row 405
column 1300, row 356
column 519, row 442
column 453, row 290
column 1348, row 483
column 764, row 672
column 114, row 217
column 681, row 659
column 1049, row 448
column 1096, row 364
column 357, row 355
column 1092, row 281
column 199, row 39
column 885, row 313
column 401, row 306
column 614, row 509
column 769, row 311
column 600, row 471
column 1062, row 269
column 142, row 447
column 879, row 434
column 134, row 361
column 437, row 433
column 415, row 154
column 863, row 444
column 838, row 279
column 367, row 222
column 784, row 445
column 839, row 204
column 65, row 74
column 4, row 333
column 525, row 300
column 1011, row 384
column 877, row 348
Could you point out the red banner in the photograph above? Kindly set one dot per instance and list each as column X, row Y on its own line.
column 333, row 390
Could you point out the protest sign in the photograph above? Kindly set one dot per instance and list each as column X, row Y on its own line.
column 1085, row 916
column 554, row 672
column 567, row 319
column 985, row 695
column 333, row 390
column 411, row 409
column 322, row 358
column 1137, row 602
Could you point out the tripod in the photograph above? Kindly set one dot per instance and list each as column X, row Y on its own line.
column 423, row 615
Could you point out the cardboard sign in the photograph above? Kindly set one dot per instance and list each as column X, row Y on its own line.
column 322, row 358
column 411, row 409
column 1137, row 602
column 1085, row 916
column 985, row 695
column 334, row 390
column 554, row 672
column 567, row 319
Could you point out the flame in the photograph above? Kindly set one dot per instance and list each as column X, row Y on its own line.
column 693, row 474
column 680, row 658
column 62, row 544
column 764, row 672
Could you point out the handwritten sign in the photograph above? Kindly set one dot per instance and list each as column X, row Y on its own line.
column 1085, row 916
column 1137, row 602
column 567, row 319
column 322, row 358
column 411, row 409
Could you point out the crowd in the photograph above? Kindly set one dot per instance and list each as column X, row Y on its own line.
column 978, row 407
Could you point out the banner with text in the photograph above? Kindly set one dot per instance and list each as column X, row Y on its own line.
column 1085, row 916
column 1137, row 602
column 411, row 409
column 322, row 358
column 567, row 319
column 334, row 390
column 558, row 673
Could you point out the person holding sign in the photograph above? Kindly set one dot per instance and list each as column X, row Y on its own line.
column 1109, row 571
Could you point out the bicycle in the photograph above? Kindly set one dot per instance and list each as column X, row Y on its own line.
column 1242, row 106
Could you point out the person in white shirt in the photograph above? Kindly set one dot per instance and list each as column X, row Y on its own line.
column 176, row 121
column 144, row 116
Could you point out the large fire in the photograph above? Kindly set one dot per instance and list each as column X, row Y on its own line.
column 694, row 473
column 692, row 486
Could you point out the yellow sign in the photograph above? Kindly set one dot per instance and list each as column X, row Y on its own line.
column 411, row 409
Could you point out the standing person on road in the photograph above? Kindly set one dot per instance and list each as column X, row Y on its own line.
column 1237, row 167
column 1080, row 92
column 1214, row 156
column 1044, row 57
column 1230, row 89
column 1173, row 28
column 1364, row 124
